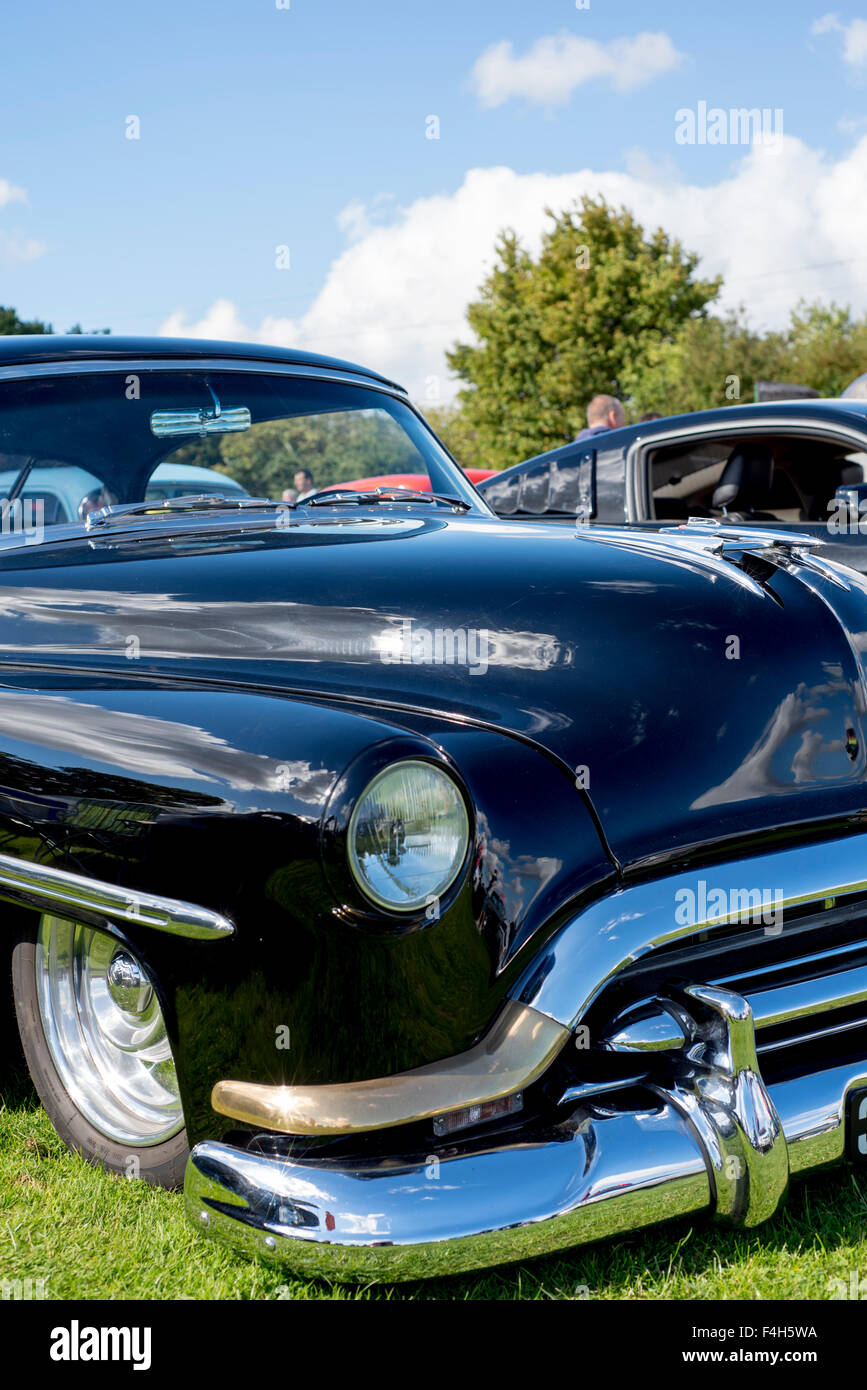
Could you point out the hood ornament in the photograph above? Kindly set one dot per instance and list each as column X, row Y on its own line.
column 731, row 541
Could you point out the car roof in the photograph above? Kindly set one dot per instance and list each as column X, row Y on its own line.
column 20, row 348
column 829, row 406
column 731, row 416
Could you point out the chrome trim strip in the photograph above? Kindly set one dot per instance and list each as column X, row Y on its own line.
column 516, row 1049
column 593, row 947
column 827, row 1030
column 62, row 892
column 265, row 366
column 682, row 550
column 786, row 1003
column 812, row 1111
column 648, row 1025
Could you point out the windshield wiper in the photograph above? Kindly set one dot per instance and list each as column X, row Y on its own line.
column 328, row 496
column 23, row 475
column 180, row 506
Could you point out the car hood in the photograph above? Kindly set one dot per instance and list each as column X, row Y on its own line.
column 691, row 696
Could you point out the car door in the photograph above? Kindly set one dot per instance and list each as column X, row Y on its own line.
column 667, row 472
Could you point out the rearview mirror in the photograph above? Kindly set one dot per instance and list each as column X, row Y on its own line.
column 200, row 420
column 167, row 423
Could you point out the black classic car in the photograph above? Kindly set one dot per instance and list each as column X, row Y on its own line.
column 423, row 889
column 799, row 465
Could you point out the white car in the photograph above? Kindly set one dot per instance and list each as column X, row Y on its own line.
column 68, row 493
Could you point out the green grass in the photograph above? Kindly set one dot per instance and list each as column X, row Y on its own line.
column 94, row 1236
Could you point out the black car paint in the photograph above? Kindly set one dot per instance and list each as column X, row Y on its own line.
column 116, row 351
column 609, row 729
column 172, row 790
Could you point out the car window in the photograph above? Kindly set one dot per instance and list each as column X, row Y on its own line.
column 806, row 471
column 184, row 487
column 361, row 448
column 54, row 509
column 683, row 479
column 81, row 441
column 559, row 484
column 53, row 492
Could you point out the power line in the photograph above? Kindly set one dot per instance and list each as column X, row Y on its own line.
column 796, row 270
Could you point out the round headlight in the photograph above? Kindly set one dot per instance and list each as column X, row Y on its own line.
column 408, row 835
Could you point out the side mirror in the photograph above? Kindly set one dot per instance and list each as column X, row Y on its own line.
column 564, row 486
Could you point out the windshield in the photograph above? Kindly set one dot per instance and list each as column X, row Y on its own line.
column 73, row 443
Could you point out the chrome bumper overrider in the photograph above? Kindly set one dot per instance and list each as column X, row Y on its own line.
column 713, row 1138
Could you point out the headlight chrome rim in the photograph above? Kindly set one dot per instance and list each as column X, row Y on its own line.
column 415, row 906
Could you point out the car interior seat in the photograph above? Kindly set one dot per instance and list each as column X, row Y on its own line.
column 745, row 485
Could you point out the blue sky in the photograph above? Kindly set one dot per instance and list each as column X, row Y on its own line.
column 261, row 126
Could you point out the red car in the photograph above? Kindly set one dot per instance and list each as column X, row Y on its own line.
column 420, row 482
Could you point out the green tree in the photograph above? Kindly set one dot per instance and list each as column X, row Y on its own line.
column 335, row 447
column 712, row 361
column 715, row 362
column 459, row 436
column 77, row 328
column 826, row 347
column 503, row 402
column 11, row 323
column 582, row 318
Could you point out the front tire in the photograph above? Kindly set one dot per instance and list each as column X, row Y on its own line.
column 96, row 1046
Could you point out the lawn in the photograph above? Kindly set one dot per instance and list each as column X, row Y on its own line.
column 94, row 1236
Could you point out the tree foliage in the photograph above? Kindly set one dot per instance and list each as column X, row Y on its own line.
column 10, row 323
column 826, row 347
column 718, row 361
column 581, row 318
column 606, row 308
column 460, row 437
column 711, row 362
column 334, row 447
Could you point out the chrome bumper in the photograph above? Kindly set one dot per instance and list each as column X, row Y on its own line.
column 418, row 1217
column 714, row 1138
column 718, row 1142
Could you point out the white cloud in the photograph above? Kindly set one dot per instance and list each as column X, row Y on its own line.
column 354, row 220
column 17, row 248
column 358, row 219
column 553, row 67
column 221, row 321
column 10, row 193
column 784, row 222
column 854, row 37
column 826, row 25
column 855, row 44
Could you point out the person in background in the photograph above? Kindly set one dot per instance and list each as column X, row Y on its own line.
column 649, row 415
column 304, row 484
column 603, row 413
column 289, row 495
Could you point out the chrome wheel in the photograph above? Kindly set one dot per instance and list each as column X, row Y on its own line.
column 106, row 1034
